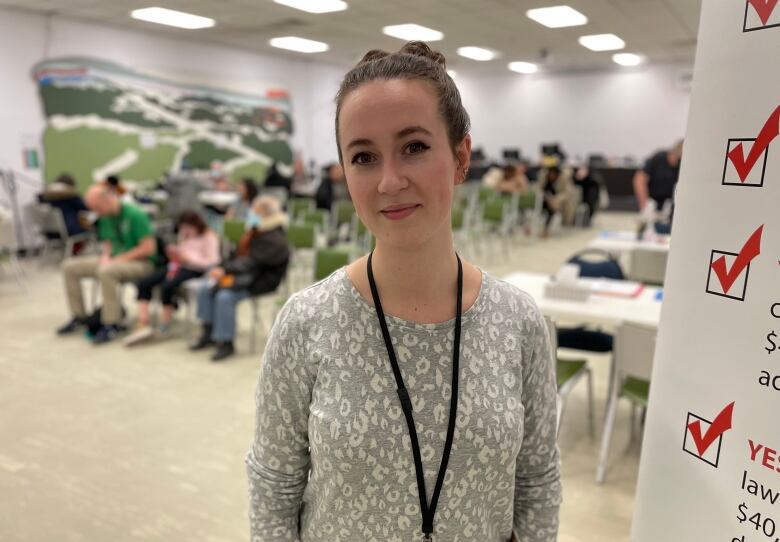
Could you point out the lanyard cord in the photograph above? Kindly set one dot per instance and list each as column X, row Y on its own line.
column 406, row 404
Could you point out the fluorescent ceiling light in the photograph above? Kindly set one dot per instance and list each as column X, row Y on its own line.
column 627, row 59
column 411, row 32
column 602, row 42
column 523, row 67
column 452, row 73
column 476, row 53
column 315, row 6
column 299, row 45
column 171, row 17
column 557, row 16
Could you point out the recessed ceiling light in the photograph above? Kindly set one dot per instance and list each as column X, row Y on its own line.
column 315, row 6
column 627, row 59
column 557, row 16
column 476, row 53
column 172, row 17
column 452, row 73
column 523, row 67
column 299, row 45
column 411, row 32
column 602, row 42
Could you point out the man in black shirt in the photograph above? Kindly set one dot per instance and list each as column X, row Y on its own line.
column 657, row 179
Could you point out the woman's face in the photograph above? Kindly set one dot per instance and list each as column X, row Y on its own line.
column 398, row 162
column 188, row 230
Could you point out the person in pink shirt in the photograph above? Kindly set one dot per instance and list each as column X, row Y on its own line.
column 196, row 251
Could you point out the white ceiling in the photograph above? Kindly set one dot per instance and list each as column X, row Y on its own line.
column 663, row 30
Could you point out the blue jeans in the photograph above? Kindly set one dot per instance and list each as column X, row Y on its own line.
column 218, row 308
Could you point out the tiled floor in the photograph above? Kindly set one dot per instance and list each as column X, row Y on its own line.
column 108, row 444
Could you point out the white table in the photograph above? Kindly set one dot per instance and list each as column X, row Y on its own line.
column 597, row 309
column 621, row 242
column 217, row 198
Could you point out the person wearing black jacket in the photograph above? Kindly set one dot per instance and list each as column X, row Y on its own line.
column 257, row 267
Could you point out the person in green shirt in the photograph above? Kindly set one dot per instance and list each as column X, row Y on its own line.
column 128, row 252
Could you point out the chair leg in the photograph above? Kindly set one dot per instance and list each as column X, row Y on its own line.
column 255, row 322
column 632, row 434
column 559, row 403
column 606, row 438
column 591, row 404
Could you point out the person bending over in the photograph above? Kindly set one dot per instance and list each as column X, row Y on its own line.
column 128, row 253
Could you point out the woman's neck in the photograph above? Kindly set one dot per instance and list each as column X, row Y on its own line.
column 421, row 277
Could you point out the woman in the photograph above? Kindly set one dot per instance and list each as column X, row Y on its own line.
column 331, row 459
column 513, row 180
column 247, row 191
column 196, row 251
column 258, row 267
column 558, row 193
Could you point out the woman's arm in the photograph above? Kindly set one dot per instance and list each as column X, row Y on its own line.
column 537, row 477
column 278, row 460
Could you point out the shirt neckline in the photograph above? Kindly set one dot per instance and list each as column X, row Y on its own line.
column 472, row 312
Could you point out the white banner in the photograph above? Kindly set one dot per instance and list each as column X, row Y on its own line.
column 710, row 467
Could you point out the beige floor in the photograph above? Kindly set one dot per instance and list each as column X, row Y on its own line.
column 108, row 444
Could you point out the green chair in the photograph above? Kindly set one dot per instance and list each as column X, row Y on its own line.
column 318, row 218
column 633, row 365
column 232, row 230
column 328, row 260
column 458, row 216
column 568, row 372
column 493, row 212
column 301, row 236
column 300, row 206
column 343, row 212
column 527, row 201
column 486, row 194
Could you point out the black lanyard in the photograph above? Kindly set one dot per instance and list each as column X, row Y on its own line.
column 428, row 512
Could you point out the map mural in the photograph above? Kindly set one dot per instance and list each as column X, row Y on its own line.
column 105, row 119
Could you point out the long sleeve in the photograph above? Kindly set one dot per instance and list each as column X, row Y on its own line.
column 537, row 478
column 265, row 250
column 278, row 460
column 201, row 252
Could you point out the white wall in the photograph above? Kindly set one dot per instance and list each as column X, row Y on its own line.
column 613, row 113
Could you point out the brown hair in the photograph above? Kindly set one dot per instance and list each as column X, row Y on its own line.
column 192, row 218
column 415, row 61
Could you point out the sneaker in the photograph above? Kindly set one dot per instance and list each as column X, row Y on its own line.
column 75, row 324
column 106, row 333
column 139, row 335
column 224, row 350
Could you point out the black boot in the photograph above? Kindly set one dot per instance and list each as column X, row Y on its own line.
column 224, row 350
column 205, row 339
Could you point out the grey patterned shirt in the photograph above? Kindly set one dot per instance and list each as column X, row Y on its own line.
column 331, row 458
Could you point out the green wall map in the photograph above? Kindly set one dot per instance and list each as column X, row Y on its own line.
column 105, row 119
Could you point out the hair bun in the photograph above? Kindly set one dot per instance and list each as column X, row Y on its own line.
column 373, row 54
column 420, row 48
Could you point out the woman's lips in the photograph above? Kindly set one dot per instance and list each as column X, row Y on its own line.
column 400, row 214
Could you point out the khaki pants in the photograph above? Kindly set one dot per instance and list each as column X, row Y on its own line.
column 109, row 277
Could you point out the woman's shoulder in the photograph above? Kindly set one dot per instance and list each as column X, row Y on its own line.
column 509, row 299
column 320, row 300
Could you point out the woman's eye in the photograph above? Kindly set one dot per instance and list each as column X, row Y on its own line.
column 416, row 147
column 361, row 158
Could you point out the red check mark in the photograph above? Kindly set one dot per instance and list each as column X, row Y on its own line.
column 750, row 250
column 770, row 131
column 764, row 8
column 719, row 425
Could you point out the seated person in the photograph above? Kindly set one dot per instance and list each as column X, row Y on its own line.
column 513, row 180
column 590, row 184
column 247, row 191
column 333, row 187
column 274, row 177
column 62, row 195
column 197, row 250
column 257, row 267
column 556, row 188
column 128, row 253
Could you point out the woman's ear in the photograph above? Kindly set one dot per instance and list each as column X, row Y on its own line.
column 463, row 159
